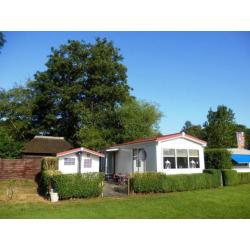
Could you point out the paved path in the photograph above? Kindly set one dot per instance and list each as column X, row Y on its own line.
column 111, row 189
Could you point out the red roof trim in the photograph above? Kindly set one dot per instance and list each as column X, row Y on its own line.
column 163, row 138
column 79, row 150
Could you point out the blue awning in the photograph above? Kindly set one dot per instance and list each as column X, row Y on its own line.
column 241, row 158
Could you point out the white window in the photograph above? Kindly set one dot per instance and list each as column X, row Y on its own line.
column 180, row 158
column 69, row 161
column 194, row 158
column 87, row 163
column 168, row 158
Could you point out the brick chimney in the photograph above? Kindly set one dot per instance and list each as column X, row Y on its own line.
column 240, row 140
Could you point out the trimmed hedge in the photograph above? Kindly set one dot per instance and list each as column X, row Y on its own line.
column 161, row 183
column 78, row 185
column 46, row 180
column 217, row 158
column 232, row 177
column 49, row 163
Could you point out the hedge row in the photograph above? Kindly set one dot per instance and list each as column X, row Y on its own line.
column 232, row 177
column 45, row 182
column 161, row 183
column 218, row 159
column 72, row 185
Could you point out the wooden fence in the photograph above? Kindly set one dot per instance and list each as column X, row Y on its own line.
column 19, row 168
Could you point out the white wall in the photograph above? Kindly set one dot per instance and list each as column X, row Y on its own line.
column 124, row 157
column 70, row 169
column 180, row 143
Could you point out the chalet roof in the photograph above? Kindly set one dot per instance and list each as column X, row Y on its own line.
column 46, row 145
column 165, row 138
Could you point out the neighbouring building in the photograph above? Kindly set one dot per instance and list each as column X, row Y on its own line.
column 41, row 146
column 171, row 154
column 79, row 160
column 240, row 156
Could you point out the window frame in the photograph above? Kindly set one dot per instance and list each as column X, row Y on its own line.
column 71, row 162
column 89, row 159
column 176, row 157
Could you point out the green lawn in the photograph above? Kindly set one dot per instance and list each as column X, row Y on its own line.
column 228, row 202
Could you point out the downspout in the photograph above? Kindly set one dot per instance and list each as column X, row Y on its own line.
column 79, row 154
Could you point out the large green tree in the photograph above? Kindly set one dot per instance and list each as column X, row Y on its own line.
column 220, row 128
column 84, row 95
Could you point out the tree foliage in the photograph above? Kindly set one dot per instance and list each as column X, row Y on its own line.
column 194, row 130
column 220, row 128
column 9, row 148
column 15, row 112
column 2, row 40
column 82, row 95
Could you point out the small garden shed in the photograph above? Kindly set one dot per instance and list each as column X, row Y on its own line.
column 79, row 160
column 171, row 154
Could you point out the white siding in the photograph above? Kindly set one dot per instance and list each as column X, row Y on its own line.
column 180, row 143
column 72, row 169
column 66, row 169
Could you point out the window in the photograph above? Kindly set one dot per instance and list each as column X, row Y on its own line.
column 69, row 161
column 87, row 163
column 168, row 158
column 194, row 158
column 182, row 158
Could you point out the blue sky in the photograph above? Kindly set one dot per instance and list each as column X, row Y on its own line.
column 185, row 73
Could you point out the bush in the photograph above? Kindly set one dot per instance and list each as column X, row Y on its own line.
column 148, row 182
column 244, row 178
column 160, row 182
column 46, row 180
column 232, row 177
column 50, row 163
column 217, row 159
column 78, row 185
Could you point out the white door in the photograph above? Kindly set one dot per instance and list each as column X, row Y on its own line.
column 139, row 163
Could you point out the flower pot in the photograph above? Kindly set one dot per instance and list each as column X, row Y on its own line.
column 54, row 197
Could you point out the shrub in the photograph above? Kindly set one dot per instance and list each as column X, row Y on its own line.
column 218, row 159
column 244, row 178
column 160, row 182
column 148, row 182
column 46, row 180
column 50, row 163
column 78, row 185
column 232, row 177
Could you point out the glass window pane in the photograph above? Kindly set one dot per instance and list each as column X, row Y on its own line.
column 194, row 162
column 182, row 162
column 87, row 163
column 168, row 162
column 69, row 161
column 168, row 152
column 181, row 152
column 193, row 153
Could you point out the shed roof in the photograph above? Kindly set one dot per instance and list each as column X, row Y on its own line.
column 82, row 149
column 165, row 138
column 46, row 145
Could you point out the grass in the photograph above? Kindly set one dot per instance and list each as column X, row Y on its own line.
column 227, row 202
